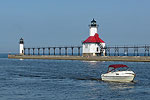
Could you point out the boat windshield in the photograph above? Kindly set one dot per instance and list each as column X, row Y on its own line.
column 122, row 69
column 111, row 69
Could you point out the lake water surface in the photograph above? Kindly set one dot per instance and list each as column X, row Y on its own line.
column 68, row 80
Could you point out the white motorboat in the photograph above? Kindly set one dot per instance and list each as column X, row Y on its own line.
column 118, row 73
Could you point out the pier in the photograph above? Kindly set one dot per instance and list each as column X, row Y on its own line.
column 95, row 58
column 113, row 53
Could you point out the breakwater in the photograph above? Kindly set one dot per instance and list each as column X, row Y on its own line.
column 96, row 58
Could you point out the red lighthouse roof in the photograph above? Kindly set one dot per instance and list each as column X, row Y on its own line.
column 94, row 39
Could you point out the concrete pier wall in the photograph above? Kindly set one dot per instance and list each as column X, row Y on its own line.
column 98, row 58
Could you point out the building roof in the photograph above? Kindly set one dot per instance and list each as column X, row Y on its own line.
column 94, row 39
column 93, row 21
column 21, row 41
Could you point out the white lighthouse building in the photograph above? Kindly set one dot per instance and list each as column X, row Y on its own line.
column 21, row 42
column 93, row 45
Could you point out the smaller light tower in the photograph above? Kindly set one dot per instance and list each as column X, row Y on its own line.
column 21, row 42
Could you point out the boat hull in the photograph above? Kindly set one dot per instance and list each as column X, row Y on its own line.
column 118, row 76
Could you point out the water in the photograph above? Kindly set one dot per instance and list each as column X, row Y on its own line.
column 68, row 80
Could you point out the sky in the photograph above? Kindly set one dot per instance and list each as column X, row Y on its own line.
column 65, row 22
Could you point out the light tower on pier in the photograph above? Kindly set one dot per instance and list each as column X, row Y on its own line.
column 21, row 42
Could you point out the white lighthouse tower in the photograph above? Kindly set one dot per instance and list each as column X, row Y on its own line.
column 21, row 42
column 93, row 27
column 93, row 45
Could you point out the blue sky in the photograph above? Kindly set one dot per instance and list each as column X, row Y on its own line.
column 65, row 22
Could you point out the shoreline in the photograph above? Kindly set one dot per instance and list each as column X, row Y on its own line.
column 98, row 58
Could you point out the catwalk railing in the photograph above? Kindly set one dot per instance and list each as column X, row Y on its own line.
column 127, row 50
column 76, row 50
column 61, row 50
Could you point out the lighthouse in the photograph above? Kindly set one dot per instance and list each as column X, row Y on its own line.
column 93, row 45
column 21, row 42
